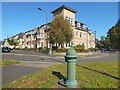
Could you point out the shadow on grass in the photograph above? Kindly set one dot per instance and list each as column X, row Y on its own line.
column 104, row 73
column 60, row 76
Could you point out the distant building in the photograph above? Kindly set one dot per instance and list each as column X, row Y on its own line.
column 37, row 37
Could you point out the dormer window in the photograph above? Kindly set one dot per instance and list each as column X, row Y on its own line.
column 78, row 24
column 84, row 26
column 81, row 25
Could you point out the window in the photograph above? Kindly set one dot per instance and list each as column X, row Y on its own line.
column 84, row 35
column 71, row 21
column 68, row 44
column 78, row 24
column 41, row 35
column 80, row 34
column 29, row 39
column 84, row 26
column 81, row 25
column 38, row 44
column 41, row 44
column 80, row 43
column 85, row 44
column 66, row 18
column 76, row 33
column 38, row 36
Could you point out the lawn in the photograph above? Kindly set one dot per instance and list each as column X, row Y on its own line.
column 88, row 75
column 8, row 62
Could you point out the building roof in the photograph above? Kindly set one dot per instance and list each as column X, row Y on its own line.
column 80, row 22
column 64, row 7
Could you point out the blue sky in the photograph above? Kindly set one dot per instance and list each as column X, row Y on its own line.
column 23, row 16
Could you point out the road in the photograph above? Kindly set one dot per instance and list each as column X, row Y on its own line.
column 32, row 62
column 22, row 56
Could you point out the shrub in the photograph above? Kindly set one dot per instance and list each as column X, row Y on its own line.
column 40, row 49
column 45, row 50
column 61, row 50
column 79, row 48
column 91, row 49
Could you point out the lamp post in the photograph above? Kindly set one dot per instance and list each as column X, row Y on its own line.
column 95, row 40
column 46, row 13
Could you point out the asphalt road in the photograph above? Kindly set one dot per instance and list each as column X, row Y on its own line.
column 57, row 58
column 33, row 62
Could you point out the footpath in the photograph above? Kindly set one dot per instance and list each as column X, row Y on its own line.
column 13, row 72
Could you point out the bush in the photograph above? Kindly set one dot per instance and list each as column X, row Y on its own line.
column 79, row 48
column 45, row 50
column 61, row 50
column 40, row 49
column 91, row 49
column 17, row 48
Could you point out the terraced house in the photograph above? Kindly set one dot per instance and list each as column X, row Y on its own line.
column 38, row 37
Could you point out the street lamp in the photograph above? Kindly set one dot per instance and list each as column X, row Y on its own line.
column 46, row 15
column 50, row 51
column 95, row 40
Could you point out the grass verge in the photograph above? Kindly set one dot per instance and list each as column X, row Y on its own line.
column 88, row 75
column 9, row 62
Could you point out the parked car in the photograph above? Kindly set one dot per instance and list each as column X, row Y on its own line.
column 5, row 49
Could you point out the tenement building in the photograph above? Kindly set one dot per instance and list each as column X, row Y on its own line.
column 37, row 37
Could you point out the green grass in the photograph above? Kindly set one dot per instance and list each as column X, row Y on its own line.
column 88, row 75
column 8, row 62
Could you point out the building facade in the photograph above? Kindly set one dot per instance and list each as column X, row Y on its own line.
column 38, row 38
column 82, row 35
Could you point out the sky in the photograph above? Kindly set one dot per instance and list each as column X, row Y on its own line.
column 23, row 16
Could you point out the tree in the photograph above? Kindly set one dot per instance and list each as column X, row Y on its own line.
column 114, row 35
column 103, row 43
column 107, row 43
column 12, row 42
column 60, row 31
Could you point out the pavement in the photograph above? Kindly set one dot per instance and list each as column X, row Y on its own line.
column 13, row 72
column 35, row 62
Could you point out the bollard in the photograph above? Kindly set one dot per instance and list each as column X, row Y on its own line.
column 70, row 58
